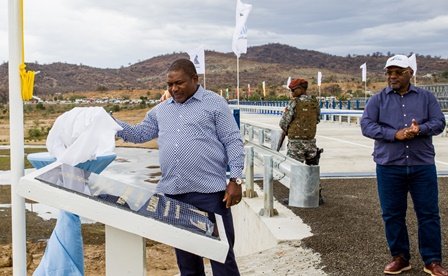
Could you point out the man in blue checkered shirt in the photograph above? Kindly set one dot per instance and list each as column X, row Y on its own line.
column 197, row 138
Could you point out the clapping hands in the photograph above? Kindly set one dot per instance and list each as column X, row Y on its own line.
column 409, row 132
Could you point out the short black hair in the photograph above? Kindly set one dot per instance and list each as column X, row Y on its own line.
column 185, row 65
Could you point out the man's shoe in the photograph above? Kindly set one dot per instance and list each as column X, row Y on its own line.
column 435, row 269
column 397, row 265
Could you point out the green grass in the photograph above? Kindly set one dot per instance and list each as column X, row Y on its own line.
column 5, row 161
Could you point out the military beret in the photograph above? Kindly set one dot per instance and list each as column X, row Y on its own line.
column 295, row 83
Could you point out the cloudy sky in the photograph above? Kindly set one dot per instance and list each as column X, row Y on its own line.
column 114, row 33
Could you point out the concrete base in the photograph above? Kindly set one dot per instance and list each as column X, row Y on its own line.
column 255, row 233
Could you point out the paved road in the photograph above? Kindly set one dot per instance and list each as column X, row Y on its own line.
column 346, row 150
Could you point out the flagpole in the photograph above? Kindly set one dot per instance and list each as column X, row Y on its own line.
column 238, row 81
column 205, row 87
column 16, row 138
column 364, row 79
column 319, row 80
column 365, row 92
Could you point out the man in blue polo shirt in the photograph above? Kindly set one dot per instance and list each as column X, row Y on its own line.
column 402, row 119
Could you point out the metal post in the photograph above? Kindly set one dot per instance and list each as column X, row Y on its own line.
column 236, row 115
column 261, row 137
column 243, row 130
column 268, row 188
column 16, row 138
column 249, row 183
column 238, row 80
column 251, row 133
column 304, row 186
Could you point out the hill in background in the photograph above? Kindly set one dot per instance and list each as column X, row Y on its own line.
column 272, row 63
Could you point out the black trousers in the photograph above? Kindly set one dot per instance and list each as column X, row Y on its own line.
column 193, row 265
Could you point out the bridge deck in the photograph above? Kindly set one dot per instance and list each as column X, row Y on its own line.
column 347, row 151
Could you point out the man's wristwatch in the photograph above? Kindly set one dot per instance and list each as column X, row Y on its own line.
column 238, row 181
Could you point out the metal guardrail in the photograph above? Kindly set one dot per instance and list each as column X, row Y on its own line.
column 327, row 115
column 303, row 179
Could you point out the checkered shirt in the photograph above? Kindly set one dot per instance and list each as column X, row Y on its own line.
column 197, row 140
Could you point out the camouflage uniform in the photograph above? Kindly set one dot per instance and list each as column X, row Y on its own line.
column 299, row 123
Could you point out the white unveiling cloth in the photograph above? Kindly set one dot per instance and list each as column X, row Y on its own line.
column 81, row 134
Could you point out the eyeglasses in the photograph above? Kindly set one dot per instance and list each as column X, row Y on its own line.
column 398, row 73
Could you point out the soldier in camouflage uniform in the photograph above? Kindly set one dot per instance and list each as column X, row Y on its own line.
column 299, row 122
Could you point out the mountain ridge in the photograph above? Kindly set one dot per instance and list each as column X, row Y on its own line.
column 272, row 63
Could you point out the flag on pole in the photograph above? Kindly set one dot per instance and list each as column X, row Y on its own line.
column 239, row 43
column 413, row 62
column 264, row 88
column 364, row 71
column 319, row 78
column 288, row 82
column 197, row 56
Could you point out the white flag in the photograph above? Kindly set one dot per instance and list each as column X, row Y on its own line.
column 264, row 88
column 197, row 56
column 319, row 78
column 239, row 43
column 413, row 63
column 288, row 82
column 364, row 71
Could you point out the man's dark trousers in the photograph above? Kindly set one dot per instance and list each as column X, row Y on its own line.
column 394, row 184
column 193, row 265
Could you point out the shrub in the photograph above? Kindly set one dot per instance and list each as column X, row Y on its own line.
column 40, row 106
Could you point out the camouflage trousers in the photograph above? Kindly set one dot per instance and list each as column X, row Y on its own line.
column 302, row 150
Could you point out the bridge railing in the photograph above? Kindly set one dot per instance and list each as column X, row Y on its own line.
column 302, row 180
column 327, row 115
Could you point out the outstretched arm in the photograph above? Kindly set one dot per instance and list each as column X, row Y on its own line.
column 142, row 132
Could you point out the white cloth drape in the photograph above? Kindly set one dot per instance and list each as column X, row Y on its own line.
column 81, row 134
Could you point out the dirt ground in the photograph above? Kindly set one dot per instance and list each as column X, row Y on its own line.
column 347, row 232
